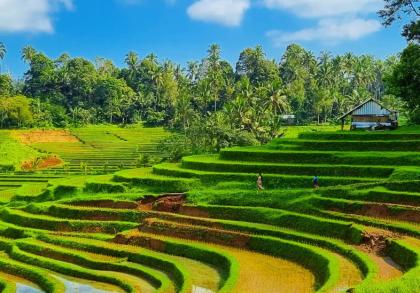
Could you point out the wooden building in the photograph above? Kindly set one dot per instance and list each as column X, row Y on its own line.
column 371, row 115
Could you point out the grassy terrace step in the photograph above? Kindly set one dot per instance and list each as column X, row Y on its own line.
column 275, row 217
column 6, row 286
column 376, row 136
column 144, row 177
column 304, row 223
column 271, row 180
column 66, row 268
column 347, row 145
column 408, row 257
column 21, row 269
column 383, row 210
column 362, row 262
column 158, row 261
column 365, row 265
column 264, row 154
column 378, row 194
column 392, row 225
column 322, row 264
column 225, row 264
column 212, row 163
column 96, row 262
column 25, row 219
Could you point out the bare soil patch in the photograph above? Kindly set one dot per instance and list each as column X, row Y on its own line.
column 107, row 204
column 194, row 212
column 375, row 244
column 198, row 233
column 42, row 163
column 169, row 202
column 375, row 241
column 383, row 211
column 134, row 238
column 44, row 136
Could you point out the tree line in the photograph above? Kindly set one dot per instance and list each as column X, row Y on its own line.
column 210, row 99
column 253, row 94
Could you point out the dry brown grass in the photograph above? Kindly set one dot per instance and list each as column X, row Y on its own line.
column 43, row 136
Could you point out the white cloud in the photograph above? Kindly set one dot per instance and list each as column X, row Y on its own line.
column 325, row 8
column 225, row 12
column 337, row 20
column 328, row 31
column 29, row 15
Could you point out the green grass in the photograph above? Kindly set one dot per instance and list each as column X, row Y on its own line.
column 60, row 223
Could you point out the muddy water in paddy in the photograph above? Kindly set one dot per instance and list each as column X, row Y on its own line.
column 263, row 273
column 76, row 285
column 205, row 278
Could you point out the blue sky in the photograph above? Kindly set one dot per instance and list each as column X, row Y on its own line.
column 181, row 30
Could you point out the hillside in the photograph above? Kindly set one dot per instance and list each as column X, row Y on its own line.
column 202, row 226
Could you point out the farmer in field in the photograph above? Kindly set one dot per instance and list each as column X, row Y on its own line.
column 315, row 182
column 260, row 182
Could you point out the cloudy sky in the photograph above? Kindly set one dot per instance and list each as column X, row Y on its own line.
column 181, row 30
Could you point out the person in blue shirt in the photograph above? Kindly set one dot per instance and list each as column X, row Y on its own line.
column 315, row 182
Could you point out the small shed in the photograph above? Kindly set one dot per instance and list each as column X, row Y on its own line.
column 371, row 115
column 289, row 119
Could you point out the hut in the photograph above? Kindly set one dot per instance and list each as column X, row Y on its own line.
column 288, row 119
column 371, row 115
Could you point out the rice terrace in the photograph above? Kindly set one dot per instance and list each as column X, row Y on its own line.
column 201, row 226
column 156, row 147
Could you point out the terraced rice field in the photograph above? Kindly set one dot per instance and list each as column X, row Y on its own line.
column 201, row 225
column 94, row 149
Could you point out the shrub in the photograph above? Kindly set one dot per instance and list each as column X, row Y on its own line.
column 108, row 187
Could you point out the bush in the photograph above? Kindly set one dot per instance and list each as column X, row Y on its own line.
column 106, row 187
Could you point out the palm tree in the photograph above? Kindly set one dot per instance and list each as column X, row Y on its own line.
column 192, row 71
column 3, row 52
column 28, row 53
column 277, row 100
column 132, row 60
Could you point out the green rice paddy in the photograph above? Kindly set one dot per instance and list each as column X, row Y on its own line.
column 102, row 221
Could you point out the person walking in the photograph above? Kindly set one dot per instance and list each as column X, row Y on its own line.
column 315, row 182
column 260, row 182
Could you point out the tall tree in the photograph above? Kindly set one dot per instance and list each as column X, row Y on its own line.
column 405, row 81
column 3, row 52
column 253, row 64
column 396, row 10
